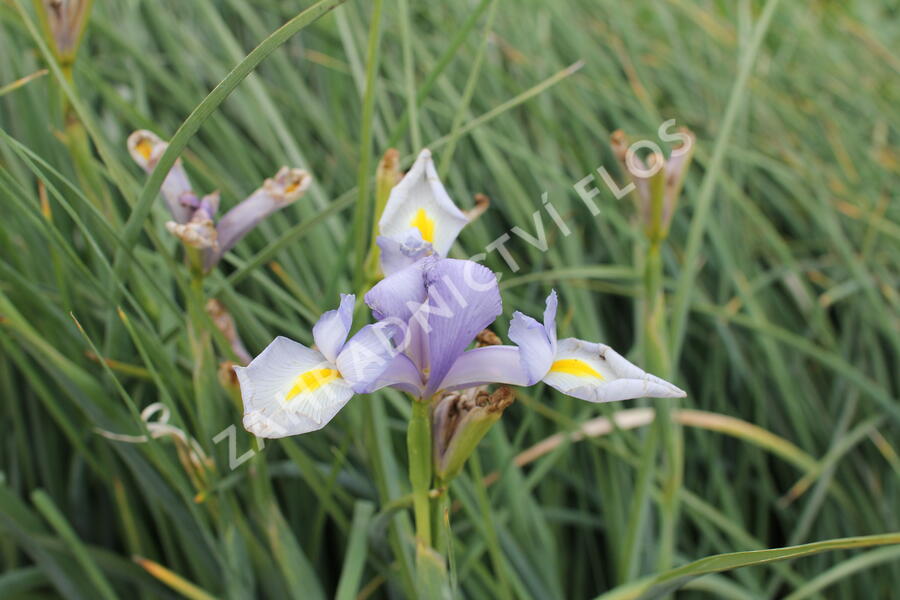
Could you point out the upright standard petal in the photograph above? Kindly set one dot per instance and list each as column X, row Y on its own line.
column 290, row 389
column 396, row 297
column 536, row 341
column 463, row 299
column 420, row 201
column 330, row 331
column 597, row 373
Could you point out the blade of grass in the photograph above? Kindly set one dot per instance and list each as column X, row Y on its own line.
column 357, row 548
column 653, row 587
column 362, row 212
column 51, row 513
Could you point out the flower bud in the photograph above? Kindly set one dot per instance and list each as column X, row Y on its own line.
column 387, row 175
column 224, row 322
column 229, row 381
column 657, row 181
column 66, row 20
column 227, row 377
column 487, row 338
column 459, row 421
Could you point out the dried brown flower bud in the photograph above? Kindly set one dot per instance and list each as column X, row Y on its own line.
column 66, row 20
column 487, row 338
column 224, row 322
column 459, row 421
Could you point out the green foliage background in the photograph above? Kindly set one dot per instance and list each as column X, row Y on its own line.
column 783, row 260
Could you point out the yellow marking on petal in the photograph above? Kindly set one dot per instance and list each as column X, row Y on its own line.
column 311, row 381
column 144, row 148
column 574, row 366
column 424, row 224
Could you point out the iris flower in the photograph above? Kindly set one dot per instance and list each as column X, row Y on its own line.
column 428, row 315
column 428, row 311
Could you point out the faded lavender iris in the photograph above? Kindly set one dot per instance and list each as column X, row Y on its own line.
column 428, row 312
column 194, row 217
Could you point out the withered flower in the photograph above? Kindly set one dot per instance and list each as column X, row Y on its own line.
column 459, row 421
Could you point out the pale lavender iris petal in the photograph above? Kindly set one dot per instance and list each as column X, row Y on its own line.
column 400, row 252
column 209, row 204
column 491, row 364
column 535, row 346
column 238, row 221
column 401, row 374
column 175, row 189
column 276, row 192
column 332, row 328
column 396, row 297
column 463, row 299
column 366, row 356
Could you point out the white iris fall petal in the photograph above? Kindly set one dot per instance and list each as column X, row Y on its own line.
column 597, row 373
column 290, row 389
column 585, row 370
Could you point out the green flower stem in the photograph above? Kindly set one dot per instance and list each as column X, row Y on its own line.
column 431, row 572
column 665, row 433
column 418, row 440
column 656, row 350
column 79, row 147
column 440, row 502
column 654, row 330
column 443, row 537
column 75, row 135
column 200, row 341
